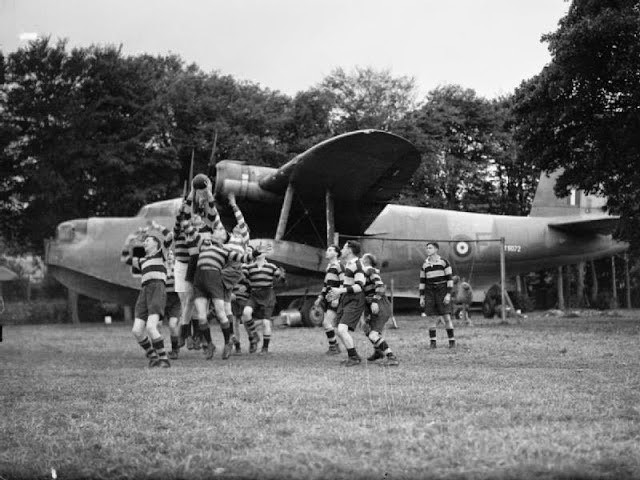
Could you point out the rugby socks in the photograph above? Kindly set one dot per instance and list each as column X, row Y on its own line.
column 205, row 333
column 231, row 320
column 158, row 346
column 382, row 346
column 174, row 343
column 432, row 337
column 452, row 340
column 148, row 348
column 250, row 325
column 194, row 326
column 226, row 332
column 232, row 331
column 265, row 341
column 331, row 336
column 185, row 331
column 351, row 352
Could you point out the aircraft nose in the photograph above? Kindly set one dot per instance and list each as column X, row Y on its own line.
column 70, row 230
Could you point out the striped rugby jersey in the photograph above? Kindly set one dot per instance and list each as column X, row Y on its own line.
column 239, row 245
column 262, row 276
column 353, row 279
column 212, row 219
column 181, row 247
column 167, row 238
column 181, row 239
column 374, row 287
column 242, row 225
column 437, row 272
column 153, row 267
column 194, row 238
column 214, row 256
column 332, row 278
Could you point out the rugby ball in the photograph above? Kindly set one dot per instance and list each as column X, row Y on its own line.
column 199, row 181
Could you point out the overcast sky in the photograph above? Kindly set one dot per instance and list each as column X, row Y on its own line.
column 291, row 45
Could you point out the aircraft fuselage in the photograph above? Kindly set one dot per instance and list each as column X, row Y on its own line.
column 85, row 254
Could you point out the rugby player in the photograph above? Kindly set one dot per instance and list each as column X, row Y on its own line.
column 436, row 287
column 204, row 218
column 238, row 241
column 208, row 285
column 332, row 279
column 352, row 302
column 262, row 300
column 172, row 308
column 152, row 297
column 378, row 312
column 239, row 299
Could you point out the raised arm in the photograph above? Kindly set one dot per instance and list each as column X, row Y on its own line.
column 167, row 235
column 126, row 255
column 241, row 225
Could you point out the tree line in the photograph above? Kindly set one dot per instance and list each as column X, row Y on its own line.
column 90, row 131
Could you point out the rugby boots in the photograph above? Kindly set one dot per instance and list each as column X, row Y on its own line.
column 390, row 361
column 209, row 350
column 377, row 355
column 226, row 350
column 352, row 361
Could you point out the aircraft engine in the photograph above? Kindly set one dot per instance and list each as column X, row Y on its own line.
column 242, row 180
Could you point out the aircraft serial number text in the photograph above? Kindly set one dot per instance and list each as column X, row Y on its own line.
column 513, row 248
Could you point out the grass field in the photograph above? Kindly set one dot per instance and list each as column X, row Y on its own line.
column 546, row 398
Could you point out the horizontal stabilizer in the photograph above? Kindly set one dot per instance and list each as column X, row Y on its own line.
column 580, row 225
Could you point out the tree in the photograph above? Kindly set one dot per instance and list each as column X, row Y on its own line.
column 582, row 112
column 457, row 133
column 309, row 119
column 368, row 98
column 80, row 132
column 515, row 175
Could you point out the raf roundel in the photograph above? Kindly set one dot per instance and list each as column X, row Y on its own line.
column 462, row 249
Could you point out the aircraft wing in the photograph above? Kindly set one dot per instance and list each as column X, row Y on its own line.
column 604, row 225
column 363, row 170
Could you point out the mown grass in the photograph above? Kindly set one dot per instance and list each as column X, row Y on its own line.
column 546, row 398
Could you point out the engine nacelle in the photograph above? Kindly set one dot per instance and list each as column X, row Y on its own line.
column 242, row 180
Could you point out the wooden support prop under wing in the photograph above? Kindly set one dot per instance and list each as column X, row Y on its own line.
column 284, row 213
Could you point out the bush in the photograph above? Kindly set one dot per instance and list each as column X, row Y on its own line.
column 604, row 301
column 94, row 311
column 28, row 313
column 49, row 287
column 523, row 302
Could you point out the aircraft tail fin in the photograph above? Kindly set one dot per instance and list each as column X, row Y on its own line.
column 547, row 204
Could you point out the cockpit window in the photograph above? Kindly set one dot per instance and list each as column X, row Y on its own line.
column 165, row 208
column 143, row 211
